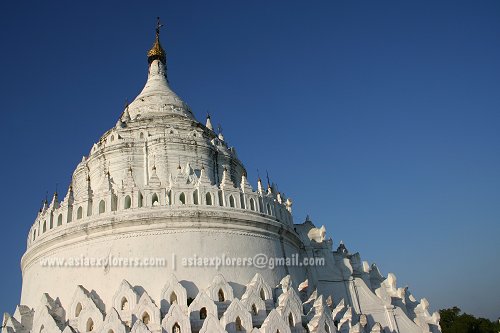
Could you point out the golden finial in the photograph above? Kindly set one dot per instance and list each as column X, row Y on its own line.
column 157, row 52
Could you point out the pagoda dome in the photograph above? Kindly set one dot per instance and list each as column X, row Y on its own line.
column 156, row 130
column 157, row 98
column 157, row 183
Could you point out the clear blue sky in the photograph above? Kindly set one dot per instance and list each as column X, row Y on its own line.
column 381, row 119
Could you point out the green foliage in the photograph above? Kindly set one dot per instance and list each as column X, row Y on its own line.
column 453, row 321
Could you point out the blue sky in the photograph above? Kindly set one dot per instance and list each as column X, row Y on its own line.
column 379, row 118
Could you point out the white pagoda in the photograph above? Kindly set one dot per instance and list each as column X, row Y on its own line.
column 160, row 184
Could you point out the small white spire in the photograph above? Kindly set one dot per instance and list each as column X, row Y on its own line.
column 289, row 204
column 259, row 186
column 208, row 124
column 220, row 135
column 55, row 201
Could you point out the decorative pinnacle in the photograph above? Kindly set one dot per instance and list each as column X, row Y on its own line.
column 158, row 26
column 157, row 52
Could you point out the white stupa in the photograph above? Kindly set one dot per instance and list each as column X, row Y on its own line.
column 160, row 231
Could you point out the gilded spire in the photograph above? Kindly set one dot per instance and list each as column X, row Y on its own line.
column 157, row 52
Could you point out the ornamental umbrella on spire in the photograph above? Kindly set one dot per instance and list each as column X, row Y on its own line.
column 157, row 52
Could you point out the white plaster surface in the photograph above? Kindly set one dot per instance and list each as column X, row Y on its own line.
column 160, row 184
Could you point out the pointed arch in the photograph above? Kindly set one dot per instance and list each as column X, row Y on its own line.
column 147, row 311
column 141, row 198
column 221, row 198
column 268, row 209
column 173, row 292
column 46, row 319
column 124, row 301
column 173, row 297
column 290, row 308
column 322, row 320
column 176, row 320
column 236, row 317
column 146, row 318
column 79, row 213
column 274, row 323
column 258, row 286
column 124, row 305
column 182, row 198
column 78, row 309
column 261, row 205
column 242, row 201
column 203, row 313
column 255, row 305
column 231, row 201
column 220, row 289
column 220, row 295
column 154, row 200
column 169, row 197
column 237, row 324
column 84, row 314
column 102, row 207
column 127, row 202
column 252, row 204
column 195, row 197
column 90, row 325
column 201, row 308
column 208, row 199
